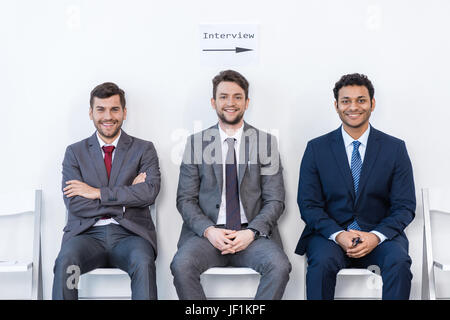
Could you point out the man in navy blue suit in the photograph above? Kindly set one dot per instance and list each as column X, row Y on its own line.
column 356, row 196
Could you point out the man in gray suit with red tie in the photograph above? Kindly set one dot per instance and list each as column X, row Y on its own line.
column 109, row 181
column 230, row 196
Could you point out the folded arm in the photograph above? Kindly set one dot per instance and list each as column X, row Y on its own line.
column 77, row 205
column 139, row 194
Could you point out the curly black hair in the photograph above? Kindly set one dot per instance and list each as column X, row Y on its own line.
column 353, row 79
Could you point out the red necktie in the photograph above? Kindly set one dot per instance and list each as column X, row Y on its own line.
column 108, row 150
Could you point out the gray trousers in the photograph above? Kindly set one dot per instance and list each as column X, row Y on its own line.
column 107, row 246
column 198, row 255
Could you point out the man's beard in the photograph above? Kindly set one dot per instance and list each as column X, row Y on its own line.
column 232, row 122
column 112, row 135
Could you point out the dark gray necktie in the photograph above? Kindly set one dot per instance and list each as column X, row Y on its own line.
column 233, row 219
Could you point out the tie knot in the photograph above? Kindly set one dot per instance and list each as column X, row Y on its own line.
column 356, row 144
column 108, row 149
column 230, row 142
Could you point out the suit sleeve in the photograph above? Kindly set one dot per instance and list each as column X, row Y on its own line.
column 272, row 192
column 77, row 205
column 310, row 198
column 402, row 197
column 141, row 194
column 188, row 194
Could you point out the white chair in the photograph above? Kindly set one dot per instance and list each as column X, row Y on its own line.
column 89, row 286
column 436, row 223
column 221, row 283
column 92, row 285
column 355, row 283
column 17, row 227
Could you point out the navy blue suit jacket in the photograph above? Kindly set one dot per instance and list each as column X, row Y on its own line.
column 385, row 201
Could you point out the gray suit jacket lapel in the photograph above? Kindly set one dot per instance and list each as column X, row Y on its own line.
column 212, row 147
column 119, row 155
column 97, row 159
column 244, row 150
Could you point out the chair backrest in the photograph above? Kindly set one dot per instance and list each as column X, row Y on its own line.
column 436, row 218
column 17, row 210
column 438, row 199
column 436, row 223
column 20, row 215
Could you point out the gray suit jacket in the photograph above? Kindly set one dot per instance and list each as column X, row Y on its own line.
column 261, row 186
column 127, row 204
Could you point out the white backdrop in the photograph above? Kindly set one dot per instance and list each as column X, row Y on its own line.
column 52, row 53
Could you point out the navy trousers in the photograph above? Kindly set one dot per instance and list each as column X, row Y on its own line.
column 107, row 246
column 326, row 258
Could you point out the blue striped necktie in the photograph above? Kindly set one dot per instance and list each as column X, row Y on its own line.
column 356, row 165
column 233, row 210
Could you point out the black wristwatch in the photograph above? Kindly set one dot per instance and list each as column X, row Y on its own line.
column 255, row 232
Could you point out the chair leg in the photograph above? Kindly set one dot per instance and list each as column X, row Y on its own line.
column 425, row 283
column 428, row 278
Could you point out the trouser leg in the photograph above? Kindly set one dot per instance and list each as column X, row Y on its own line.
column 269, row 259
column 78, row 255
column 392, row 258
column 192, row 259
column 325, row 259
column 136, row 256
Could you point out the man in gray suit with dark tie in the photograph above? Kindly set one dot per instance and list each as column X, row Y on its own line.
column 109, row 181
column 230, row 196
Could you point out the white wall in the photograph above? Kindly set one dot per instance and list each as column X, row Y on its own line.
column 50, row 60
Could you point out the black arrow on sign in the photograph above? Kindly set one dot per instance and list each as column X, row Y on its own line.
column 237, row 49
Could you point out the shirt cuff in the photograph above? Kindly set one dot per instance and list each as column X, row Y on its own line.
column 379, row 235
column 334, row 235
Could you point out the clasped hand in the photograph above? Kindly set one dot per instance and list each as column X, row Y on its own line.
column 368, row 242
column 229, row 241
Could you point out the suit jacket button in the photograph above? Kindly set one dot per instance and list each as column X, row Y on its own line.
column 217, row 206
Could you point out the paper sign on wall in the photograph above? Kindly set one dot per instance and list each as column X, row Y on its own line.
column 229, row 44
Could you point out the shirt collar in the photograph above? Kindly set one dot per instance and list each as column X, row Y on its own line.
column 348, row 140
column 114, row 143
column 237, row 135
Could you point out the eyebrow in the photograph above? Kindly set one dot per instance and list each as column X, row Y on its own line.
column 356, row 97
column 234, row 94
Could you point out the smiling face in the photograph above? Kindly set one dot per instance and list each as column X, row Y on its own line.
column 230, row 104
column 354, row 107
column 108, row 115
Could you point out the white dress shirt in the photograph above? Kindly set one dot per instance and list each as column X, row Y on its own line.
column 104, row 222
column 348, row 143
column 222, row 217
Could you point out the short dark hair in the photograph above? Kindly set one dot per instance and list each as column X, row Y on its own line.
column 353, row 79
column 106, row 90
column 230, row 76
